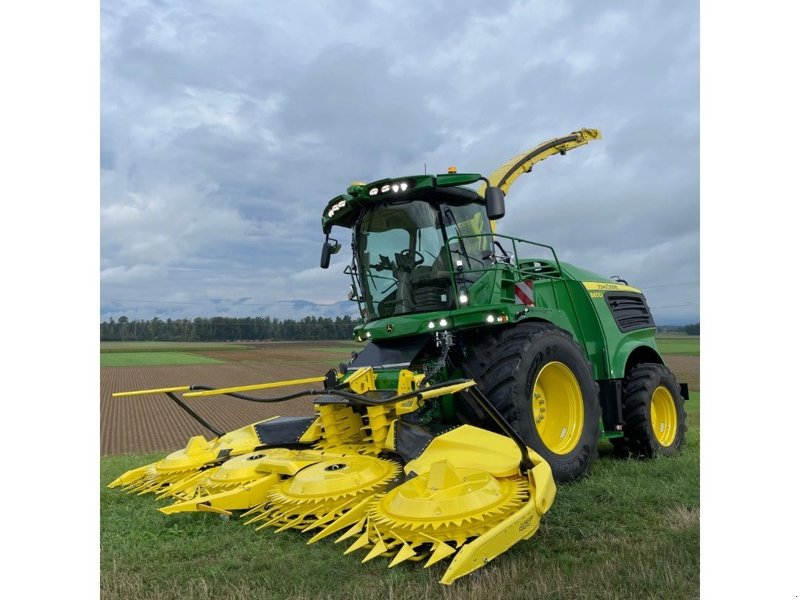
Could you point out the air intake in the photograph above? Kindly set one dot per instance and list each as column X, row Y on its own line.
column 630, row 311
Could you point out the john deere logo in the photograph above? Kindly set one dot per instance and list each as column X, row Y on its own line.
column 389, row 328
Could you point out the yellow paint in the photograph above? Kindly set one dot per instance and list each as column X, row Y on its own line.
column 468, row 485
column 470, row 447
column 362, row 381
column 182, row 388
column 176, row 467
column 257, row 386
column 443, row 391
column 526, row 160
column 340, row 424
column 557, row 407
column 663, row 416
column 313, row 433
column 602, row 286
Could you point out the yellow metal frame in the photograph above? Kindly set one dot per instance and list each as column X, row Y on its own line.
column 469, row 499
column 524, row 162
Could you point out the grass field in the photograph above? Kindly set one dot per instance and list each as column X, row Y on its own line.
column 688, row 345
column 631, row 530
column 153, row 359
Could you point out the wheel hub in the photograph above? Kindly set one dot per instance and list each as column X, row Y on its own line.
column 557, row 406
column 663, row 416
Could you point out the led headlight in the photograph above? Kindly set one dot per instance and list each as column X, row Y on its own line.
column 443, row 323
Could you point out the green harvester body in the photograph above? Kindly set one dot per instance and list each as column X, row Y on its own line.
column 609, row 319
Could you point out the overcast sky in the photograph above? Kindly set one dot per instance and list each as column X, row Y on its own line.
column 227, row 126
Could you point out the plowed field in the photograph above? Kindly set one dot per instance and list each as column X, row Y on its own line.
column 153, row 423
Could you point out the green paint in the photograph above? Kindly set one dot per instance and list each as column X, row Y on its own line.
column 456, row 222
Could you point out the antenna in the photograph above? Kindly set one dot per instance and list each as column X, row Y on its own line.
column 425, row 167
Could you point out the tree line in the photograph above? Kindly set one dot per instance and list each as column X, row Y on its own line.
column 693, row 329
column 226, row 329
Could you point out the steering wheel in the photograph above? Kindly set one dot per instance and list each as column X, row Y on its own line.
column 411, row 258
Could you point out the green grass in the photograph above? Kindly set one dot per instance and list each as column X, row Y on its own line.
column 683, row 344
column 630, row 530
column 106, row 347
column 153, row 359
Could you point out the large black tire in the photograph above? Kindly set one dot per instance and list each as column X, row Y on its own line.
column 653, row 411
column 507, row 362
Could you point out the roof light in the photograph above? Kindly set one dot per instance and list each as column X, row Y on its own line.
column 373, row 192
column 403, row 186
column 341, row 204
column 330, row 213
column 395, row 187
column 452, row 170
column 385, row 188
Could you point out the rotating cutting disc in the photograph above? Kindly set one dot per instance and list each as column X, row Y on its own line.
column 324, row 491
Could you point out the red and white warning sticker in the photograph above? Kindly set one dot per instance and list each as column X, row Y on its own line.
column 523, row 292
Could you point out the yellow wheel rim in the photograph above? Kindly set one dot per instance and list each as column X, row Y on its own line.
column 557, row 404
column 663, row 416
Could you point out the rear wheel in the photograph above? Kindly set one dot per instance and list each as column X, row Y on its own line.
column 653, row 411
column 539, row 379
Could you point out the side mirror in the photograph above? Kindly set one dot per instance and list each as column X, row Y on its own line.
column 495, row 203
column 329, row 247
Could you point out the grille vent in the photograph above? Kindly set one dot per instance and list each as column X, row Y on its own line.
column 630, row 311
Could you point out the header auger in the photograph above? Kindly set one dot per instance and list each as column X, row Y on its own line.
column 488, row 375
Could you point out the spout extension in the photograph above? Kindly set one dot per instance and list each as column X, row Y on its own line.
column 505, row 175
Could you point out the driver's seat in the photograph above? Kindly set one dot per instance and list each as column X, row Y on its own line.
column 430, row 285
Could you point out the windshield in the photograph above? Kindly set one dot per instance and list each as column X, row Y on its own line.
column 404, row 261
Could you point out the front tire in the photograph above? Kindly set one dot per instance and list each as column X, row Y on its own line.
column 654, row 413
column 541, row 382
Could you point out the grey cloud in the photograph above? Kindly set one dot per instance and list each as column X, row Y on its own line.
column 225, row 129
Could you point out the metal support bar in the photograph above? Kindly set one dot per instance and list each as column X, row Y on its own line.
column 526, row 464
column 194, row 415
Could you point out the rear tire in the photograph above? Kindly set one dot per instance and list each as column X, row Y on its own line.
column 541, row 382
column 654, row 413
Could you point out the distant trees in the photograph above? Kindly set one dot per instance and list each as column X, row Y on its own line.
column 221, row 329
column 693, row 329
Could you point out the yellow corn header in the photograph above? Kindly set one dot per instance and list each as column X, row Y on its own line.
column 383, row 485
